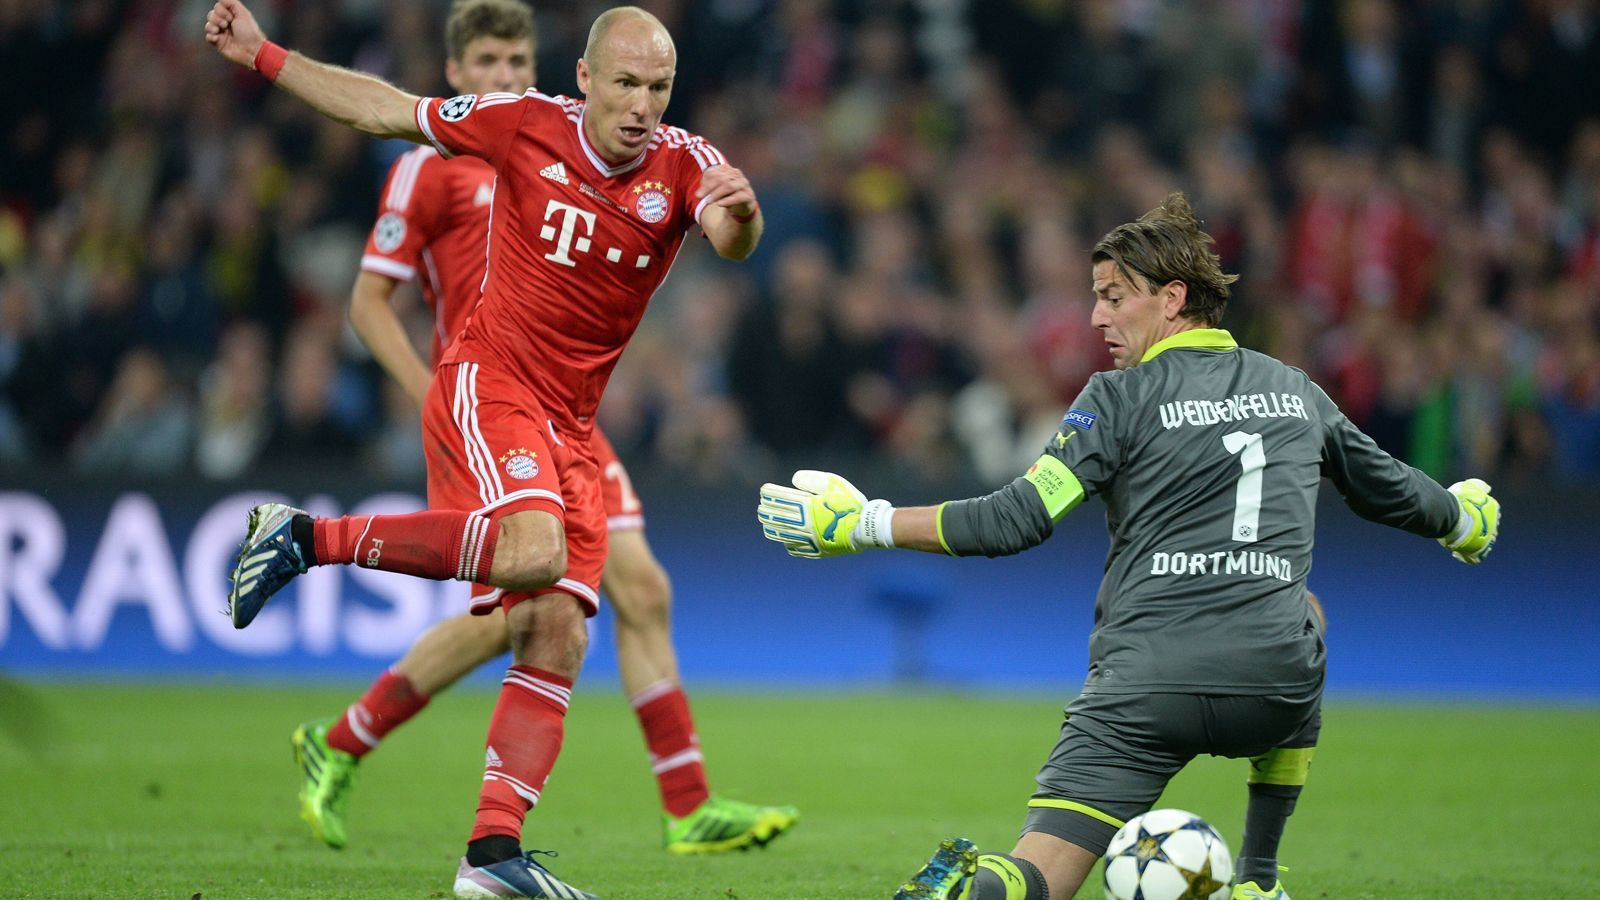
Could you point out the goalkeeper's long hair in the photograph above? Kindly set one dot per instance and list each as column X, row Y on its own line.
column 1167, row 244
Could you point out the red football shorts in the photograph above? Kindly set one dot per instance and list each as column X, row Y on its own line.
column 624, row 511
column 491, row 449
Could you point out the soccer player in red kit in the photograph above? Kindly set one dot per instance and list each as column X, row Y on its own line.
column 591, row 202
column 432, row 225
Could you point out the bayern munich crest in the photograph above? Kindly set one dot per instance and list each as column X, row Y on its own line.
column 520, row 463
column 650, row 200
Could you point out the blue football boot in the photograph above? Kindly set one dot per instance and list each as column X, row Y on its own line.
column 947, row 876
column 520, row 876
column 268, row 558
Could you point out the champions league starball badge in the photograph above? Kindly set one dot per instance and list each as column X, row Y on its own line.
column 650, row 200
column 520, row 463
column 389, row 233
column 456, row 108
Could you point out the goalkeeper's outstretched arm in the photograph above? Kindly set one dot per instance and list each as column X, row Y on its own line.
column 1464, row 517
column 825, row 515
column 367, row 104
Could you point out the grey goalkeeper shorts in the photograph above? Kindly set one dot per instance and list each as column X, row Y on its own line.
column 1118, row 751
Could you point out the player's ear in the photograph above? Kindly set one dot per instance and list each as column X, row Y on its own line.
column 452, row 75
column 583, row 75
column 1174, row 296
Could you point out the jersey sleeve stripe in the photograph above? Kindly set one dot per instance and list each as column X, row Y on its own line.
column 423, row 112
column 385, row 266
column 695, row 152
column 399, row 186
column 700, row 208
column 405, row 179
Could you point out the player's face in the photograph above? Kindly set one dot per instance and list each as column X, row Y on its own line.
column 627, row 87
column 490, row 64
column 1131, row 315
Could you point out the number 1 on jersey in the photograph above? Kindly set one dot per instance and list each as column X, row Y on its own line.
column 1247, row 500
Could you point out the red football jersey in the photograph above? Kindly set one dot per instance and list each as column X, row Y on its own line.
column 433, row 225
column 576, row 245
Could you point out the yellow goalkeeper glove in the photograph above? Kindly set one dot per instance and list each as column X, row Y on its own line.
column 823, row 515
column 1479, row 524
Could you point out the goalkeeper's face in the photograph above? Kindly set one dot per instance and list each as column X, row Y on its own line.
column 490, row 64
column 1131, row 315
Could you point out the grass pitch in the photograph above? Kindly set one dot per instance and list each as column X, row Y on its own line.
column 189, row 791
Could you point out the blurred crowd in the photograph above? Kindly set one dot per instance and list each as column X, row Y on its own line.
column 1410, row 190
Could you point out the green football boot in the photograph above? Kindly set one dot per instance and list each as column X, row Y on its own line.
column 328, row 773
column 947, row 875
column 719, row 825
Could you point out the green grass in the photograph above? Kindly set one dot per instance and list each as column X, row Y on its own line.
column 175, row 791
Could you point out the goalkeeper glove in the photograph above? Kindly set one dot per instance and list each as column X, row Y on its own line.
column 1479, row 524
column 823, row 515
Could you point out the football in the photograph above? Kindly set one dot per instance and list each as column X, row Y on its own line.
column 1168, row 854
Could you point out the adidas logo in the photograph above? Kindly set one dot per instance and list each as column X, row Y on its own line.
column 556, row 171
column 491, row 759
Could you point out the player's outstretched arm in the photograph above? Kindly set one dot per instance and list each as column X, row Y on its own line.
column 1479, row 524
column 368, row 104
column 1380, row 488
column 373, row 317
column 825, row 515
column 732, row 217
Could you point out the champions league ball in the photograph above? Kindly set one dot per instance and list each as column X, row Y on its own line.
column 1168, row 854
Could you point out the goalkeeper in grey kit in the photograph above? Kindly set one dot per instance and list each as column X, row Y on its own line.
column 1208, row 458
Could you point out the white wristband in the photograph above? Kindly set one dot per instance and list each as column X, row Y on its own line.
column 1464, row 526
column 875, row 528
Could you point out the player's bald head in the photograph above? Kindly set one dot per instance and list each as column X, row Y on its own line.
column 628, row 31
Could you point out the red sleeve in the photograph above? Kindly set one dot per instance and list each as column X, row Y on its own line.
column 699, row 156
column 473, row 124
column 408, row 215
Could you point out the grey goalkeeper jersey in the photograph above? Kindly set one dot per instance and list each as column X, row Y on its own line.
column 1208, row 458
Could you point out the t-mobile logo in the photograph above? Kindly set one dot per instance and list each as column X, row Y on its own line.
column 570, row 216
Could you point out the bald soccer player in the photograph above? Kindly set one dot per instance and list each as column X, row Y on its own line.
column 591, row 201
column 431, row 227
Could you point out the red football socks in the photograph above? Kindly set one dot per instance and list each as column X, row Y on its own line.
column 437, row 544
column 663, row 713
column 384, row 707
column 524, row 739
